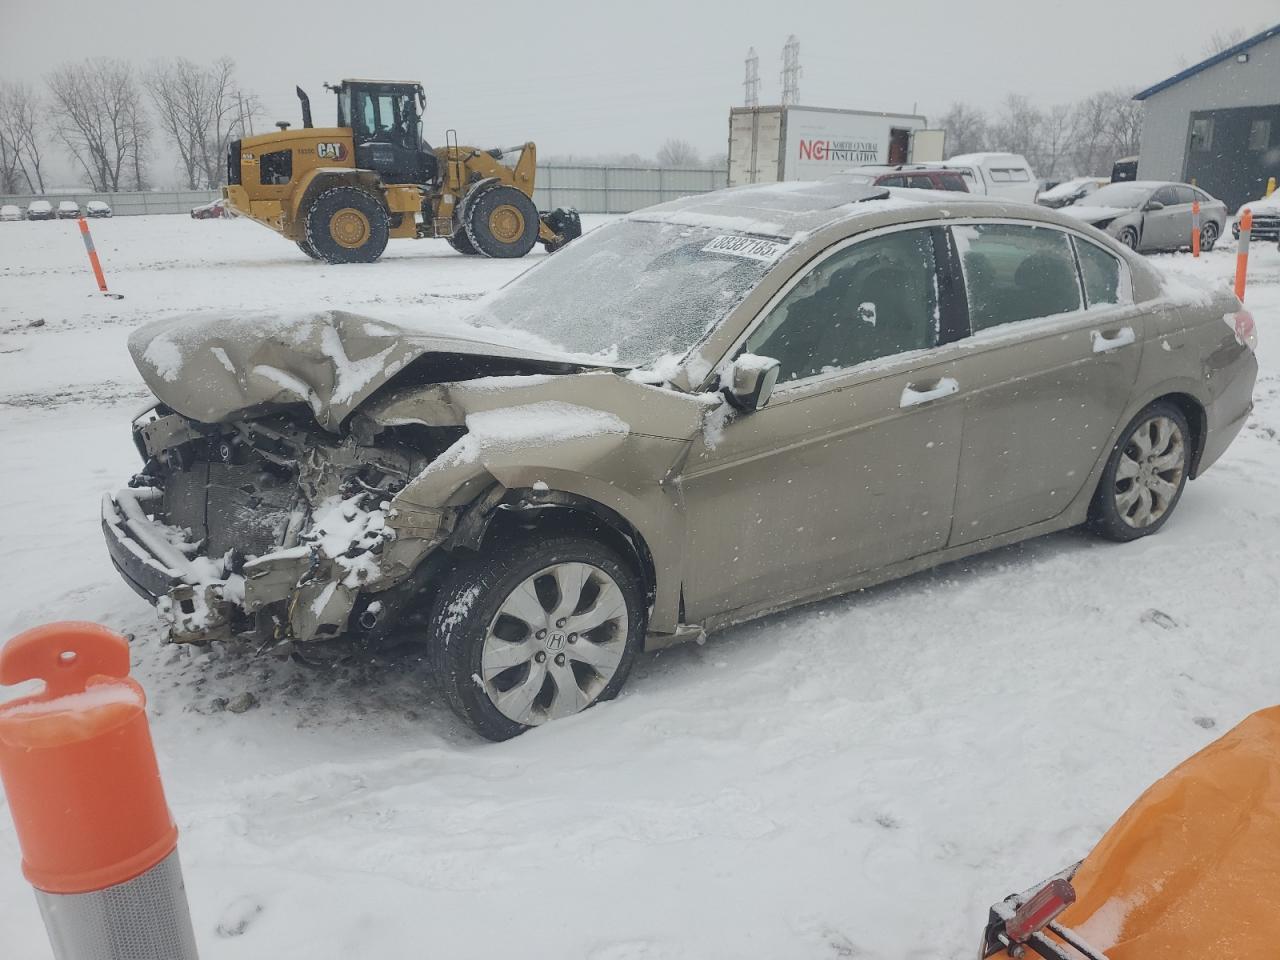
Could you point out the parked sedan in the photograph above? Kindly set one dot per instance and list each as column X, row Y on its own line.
column 68, row 210
column 97, row 209
column 39, row 210
column 10, row 212
column 704, row 412
column 1149, row 216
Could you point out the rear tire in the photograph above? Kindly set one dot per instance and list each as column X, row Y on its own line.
column 497, row 671
column 501, row 222
column 347, row 225
column 1144, row 476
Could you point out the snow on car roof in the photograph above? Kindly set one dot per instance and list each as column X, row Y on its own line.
column 774, row 209
column 984, row 157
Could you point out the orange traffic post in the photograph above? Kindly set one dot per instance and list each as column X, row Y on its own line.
column 1242, row 253
column 94, row 261
column 1195, row 228
column 80, row 773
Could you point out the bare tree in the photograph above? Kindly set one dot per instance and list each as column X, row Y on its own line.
column 1225, row 39
column 678, row 153
column 1125, row 127
column 1019, row 129
column 21, row 138
column 201, row 110
column 966, row 129
column 1090, row 149
column 1055, row 134
column 102, row 120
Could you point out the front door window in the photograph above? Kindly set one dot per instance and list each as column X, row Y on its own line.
column 875, row 298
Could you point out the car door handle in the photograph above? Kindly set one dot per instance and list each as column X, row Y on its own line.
column 914, row 394
column 1104, row 340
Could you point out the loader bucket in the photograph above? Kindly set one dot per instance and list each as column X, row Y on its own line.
column 1192, row 869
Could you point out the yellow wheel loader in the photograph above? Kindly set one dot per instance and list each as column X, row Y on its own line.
column 340, row 193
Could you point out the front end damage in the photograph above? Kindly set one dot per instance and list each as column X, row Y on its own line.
column 306, row 477
column 268, row 529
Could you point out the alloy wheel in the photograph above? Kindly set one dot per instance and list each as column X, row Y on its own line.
column 1150, row 471
column 555, row 643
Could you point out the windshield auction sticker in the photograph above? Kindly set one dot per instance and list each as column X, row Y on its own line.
column 749, row 247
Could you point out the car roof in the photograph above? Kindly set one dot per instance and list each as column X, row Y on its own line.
column 986, row 158
column 798, row 207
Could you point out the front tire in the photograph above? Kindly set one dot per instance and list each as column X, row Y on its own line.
column 1144, row 476
column 1208, row 236
column 501, row 222
column 535, row 631
column 1129, row 237
column 347, row 225
column 309, row 250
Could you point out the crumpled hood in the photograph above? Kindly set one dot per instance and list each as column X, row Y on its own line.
column 1094, row 214
column 214, row 368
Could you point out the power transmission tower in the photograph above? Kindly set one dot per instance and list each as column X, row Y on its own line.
column 791, row 71
column 752, row 83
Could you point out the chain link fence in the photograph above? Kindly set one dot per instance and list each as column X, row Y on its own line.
column 587, row 189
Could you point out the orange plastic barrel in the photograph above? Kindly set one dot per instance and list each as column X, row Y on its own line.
column 77, row 762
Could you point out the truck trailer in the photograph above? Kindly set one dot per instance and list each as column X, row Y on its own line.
column 768, row 144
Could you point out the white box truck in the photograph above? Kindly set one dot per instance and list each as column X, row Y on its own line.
column 768, row 144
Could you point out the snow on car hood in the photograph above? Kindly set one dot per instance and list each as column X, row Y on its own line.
column 214, row 368
column 1094, row 214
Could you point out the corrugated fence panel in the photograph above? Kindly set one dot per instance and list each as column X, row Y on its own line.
column 587, row 189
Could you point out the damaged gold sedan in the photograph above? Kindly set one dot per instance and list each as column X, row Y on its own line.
column 705, row 412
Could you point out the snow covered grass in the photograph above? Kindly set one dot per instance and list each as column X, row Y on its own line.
column 862, row 777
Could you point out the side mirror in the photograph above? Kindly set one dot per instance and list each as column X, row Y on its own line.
column 1153, row 205
column 749, row 381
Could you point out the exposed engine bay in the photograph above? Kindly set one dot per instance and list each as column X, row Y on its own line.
column 268, row 528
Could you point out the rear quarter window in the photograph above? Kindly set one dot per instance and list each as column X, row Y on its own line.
column 1101, row 272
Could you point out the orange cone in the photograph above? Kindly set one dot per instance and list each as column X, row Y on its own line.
column 80, row 774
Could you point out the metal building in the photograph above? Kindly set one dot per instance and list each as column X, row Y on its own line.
column 1218, row 122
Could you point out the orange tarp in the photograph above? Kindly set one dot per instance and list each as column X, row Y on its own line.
column 1192, row 869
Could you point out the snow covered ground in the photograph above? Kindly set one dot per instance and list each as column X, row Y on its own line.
column 862, row 777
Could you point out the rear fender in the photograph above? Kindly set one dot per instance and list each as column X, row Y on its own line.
column 315, row 182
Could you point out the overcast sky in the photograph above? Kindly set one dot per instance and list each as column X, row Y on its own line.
column 605, row 77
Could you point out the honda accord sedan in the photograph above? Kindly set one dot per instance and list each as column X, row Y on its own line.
column 704, row 412
column 1150, row 216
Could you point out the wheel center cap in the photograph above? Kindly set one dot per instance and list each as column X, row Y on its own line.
column 555, row 641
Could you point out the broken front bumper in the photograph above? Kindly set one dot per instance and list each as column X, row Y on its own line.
column 193, row 608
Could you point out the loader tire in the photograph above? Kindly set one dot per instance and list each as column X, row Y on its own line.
column 347, row 225
column 460, row 242
column 309, row 250
column 501, row 222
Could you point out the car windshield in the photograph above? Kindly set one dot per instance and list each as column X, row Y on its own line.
column 632, row 292
column 1120, row 195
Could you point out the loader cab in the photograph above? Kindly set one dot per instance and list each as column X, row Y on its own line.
column 386, row 128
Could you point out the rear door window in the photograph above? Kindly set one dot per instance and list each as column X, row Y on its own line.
column 1101, row 272
column 1185, row 194
column 1015, row 272
column 893, row 182
column 874, row 298
column 951, row 181
column 920, row 182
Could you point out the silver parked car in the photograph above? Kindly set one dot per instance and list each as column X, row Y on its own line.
column 707, row 411
column 10, row 212
column 39, row 210
column 1149, row 215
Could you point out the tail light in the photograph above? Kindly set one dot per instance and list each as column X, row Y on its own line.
column 1242, row 323
column 1039, row 910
